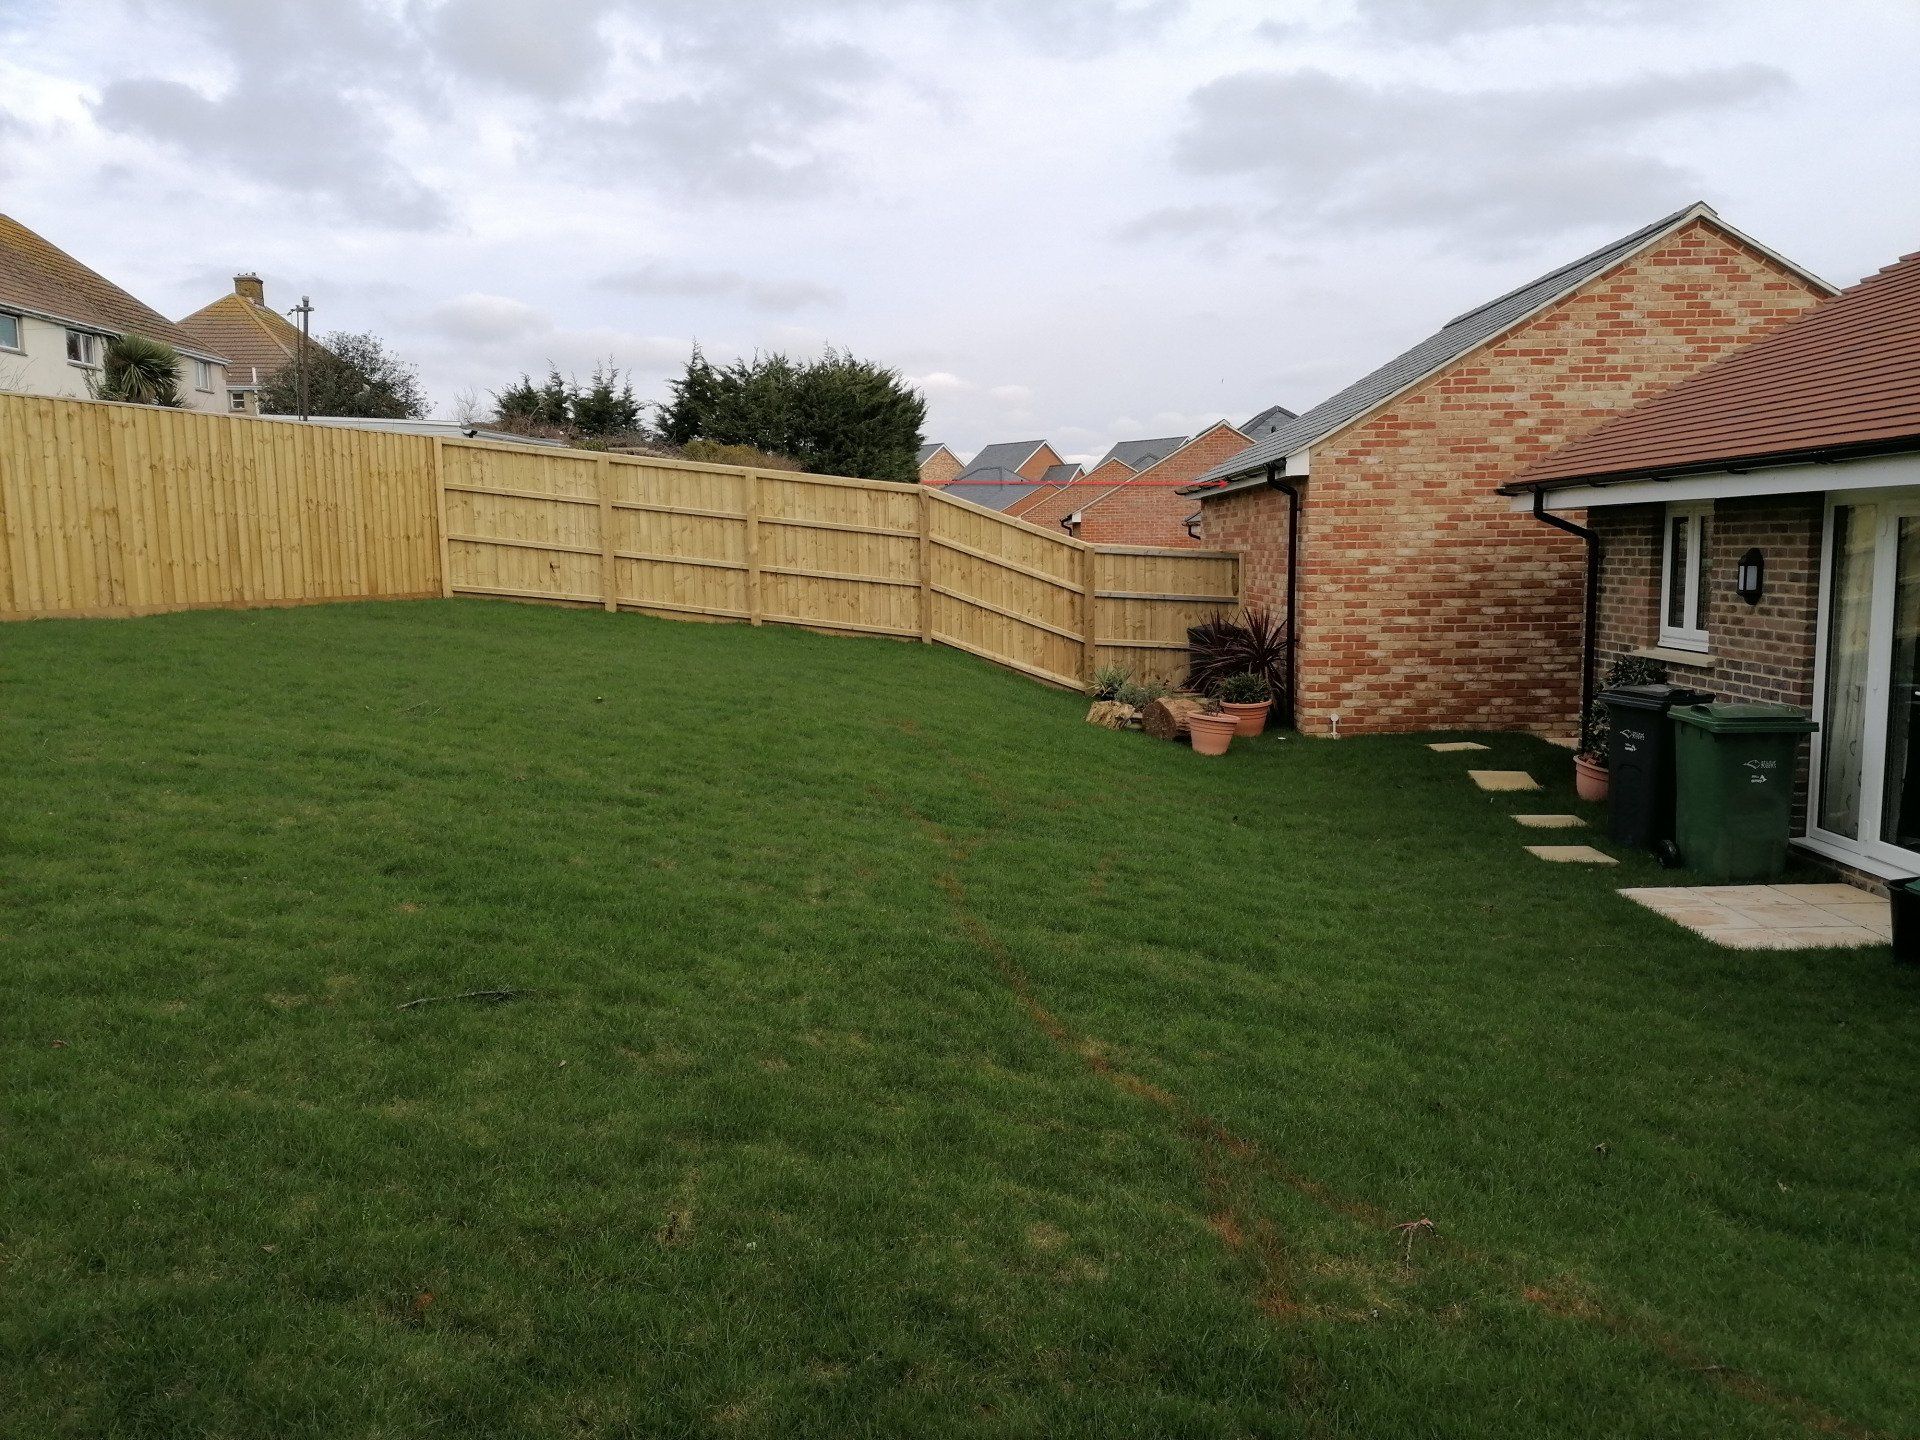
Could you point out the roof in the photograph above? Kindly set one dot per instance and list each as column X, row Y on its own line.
column 1842, row 375
column 1463, row 333
column 1138, row 454
column 256, row 341
column 1060, row 474
column 995, row 495
column 927, row 452
column 1266, row 422
column 39, row 277
column 1008, row 455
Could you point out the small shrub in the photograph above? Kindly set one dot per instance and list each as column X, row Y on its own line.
column 1108, row 681
column 1256, row 643
column 1596, row 726
column 1133, row 693
column 1245, row 689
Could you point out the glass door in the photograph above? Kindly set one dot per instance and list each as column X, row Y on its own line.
column 1869, row 696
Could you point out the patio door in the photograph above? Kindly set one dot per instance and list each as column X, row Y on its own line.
column 1866, row 756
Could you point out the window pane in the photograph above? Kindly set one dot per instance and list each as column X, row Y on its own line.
column 1700, row 570
column 76, row 349
column 10, row 331
column 1676, row 573
column 1900, row 807
column 1844, row 726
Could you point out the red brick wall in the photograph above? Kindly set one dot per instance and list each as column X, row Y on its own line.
column 1042, row 460
column 1254, row 522
column 1148, row 509
column 1756, row 652
column 1425, row 602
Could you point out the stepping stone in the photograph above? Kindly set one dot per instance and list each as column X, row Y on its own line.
column 1571, row 854
column 1551, row 822
column 1446, row 746
column 1503, row 780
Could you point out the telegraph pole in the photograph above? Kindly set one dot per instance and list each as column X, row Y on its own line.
column 305, row 311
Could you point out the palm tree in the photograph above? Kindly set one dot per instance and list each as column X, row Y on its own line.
column 139, row 371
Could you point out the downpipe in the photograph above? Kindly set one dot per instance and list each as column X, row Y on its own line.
column 1588, row 635
column 1276, row 480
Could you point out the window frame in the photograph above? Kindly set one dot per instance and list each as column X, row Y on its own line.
column 92, row 342
column 19, row 346
column 237, row 401
column 202, row 374
column 1690, row 634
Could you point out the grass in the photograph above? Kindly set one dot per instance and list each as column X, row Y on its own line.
column 896, row 1055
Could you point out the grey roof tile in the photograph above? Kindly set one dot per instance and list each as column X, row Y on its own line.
column 1139, row 454
column 1060, row 474
column 1452, row 340
column 1266, row 422
column 993, row 495
column 1007, row 455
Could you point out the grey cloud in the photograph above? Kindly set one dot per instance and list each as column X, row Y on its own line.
column 553, row 49
column 486, row 320
column 310, row 141
column 1448, row 19
column 775, row 295
column 1182, row 222
column 1479, row 167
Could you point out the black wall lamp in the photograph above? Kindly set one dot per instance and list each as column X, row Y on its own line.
column 1750, row 577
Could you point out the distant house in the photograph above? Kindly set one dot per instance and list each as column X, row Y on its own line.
column 1133, row 496
column 1374, row 522
column 1004, row 474
column 1757, row 531
column 258, row 342
column 938, row 464
column 56, row 316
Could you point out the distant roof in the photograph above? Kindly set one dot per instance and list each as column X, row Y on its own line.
column 1843, row 375
column 1459, row 335
column 1007, row 455
column 928, row 451
column 39, row 277
column 993, row 474
column 1138, row 454
column 256, row 341
column 1266, row 422
column 995, row 496
column 1060, row 474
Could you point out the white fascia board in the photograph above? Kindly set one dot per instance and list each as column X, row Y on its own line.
column 1294, row 468
column 1880, row 472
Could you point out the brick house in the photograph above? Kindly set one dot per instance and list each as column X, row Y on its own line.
column 938, row 464
column 1133, row 496
column 258, row 342
column 1420, row 601
column 1006, row 473
column 1757, row 529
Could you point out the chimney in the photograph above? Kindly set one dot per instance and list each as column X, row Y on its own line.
column 248, row 287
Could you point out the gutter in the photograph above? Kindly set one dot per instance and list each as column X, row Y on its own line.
column 1823, row 455
column 1588, row 635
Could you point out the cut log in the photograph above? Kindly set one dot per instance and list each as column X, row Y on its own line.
column 1113, row 715
column 1166, row 718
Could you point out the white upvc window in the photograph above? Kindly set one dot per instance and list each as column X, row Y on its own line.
column 236, row 400
column 83, row 348
column 10, row 333
column 202, row 375
column 1683, row 577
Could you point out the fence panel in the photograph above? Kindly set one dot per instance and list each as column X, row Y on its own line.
column 120, row 509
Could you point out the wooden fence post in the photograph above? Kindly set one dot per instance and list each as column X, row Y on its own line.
column 753, row 547
column 446, row 545
column 926, row 566
column 1089, row 614
column 609, row 569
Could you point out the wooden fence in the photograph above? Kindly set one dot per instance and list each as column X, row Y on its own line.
column 114, row 509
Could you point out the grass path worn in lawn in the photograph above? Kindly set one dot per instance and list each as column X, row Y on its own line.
column 896, row 1055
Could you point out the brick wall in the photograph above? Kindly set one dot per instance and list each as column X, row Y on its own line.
column 942, row 467
column 1254, row 522
column 1425, row 602
column 1149, row 509
column 1756, row 652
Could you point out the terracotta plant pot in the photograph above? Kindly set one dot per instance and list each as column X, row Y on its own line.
column 1589, row 778
column 1252, row 718
column 1211, row 734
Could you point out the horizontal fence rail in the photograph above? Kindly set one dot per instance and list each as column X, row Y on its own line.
column 115, row 509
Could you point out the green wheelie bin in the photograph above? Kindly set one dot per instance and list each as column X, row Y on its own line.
column 1734, row 770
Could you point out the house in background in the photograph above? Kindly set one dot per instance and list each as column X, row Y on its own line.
column 56, row 316
column 1134, row 495
column 258, row 342
column 1122, row 462
column 1419, row 600
column 1001, row 475
column 1758, row 532
column 938, row 464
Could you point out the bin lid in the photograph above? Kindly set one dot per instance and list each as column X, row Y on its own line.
column 1748, row 718
column 1657, row 696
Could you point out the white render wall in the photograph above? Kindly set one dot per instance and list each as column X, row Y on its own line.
column 45, row 370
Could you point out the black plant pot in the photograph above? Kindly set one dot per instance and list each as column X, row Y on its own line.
column 1906, row 920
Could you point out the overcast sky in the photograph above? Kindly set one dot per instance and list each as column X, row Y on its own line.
column 1087, row 220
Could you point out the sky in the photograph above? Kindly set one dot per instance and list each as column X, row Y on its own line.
column 1083, row 220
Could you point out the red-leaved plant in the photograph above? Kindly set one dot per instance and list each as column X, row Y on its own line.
column 1254, row 643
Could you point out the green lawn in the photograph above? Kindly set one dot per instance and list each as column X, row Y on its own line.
column 897, row 1056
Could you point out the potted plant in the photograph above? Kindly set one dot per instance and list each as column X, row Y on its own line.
column 1211, row 729
column 1248, row 698
column 1590, row 760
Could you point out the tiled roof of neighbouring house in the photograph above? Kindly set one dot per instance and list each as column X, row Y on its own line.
column 1459, row 335
column 927, row 452
column 1060, row 474
column 1845, row 374
column 1266, row 422
column 256, row 341
column 1008, row 455
column 38, row 276
column 995, row 495
column 1138, row 454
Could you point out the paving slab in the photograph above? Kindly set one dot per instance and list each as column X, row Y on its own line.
column 1551, row 822
column 1503, row 780
column 1773, row 917
column 1448, row 746
column 1571, row 854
